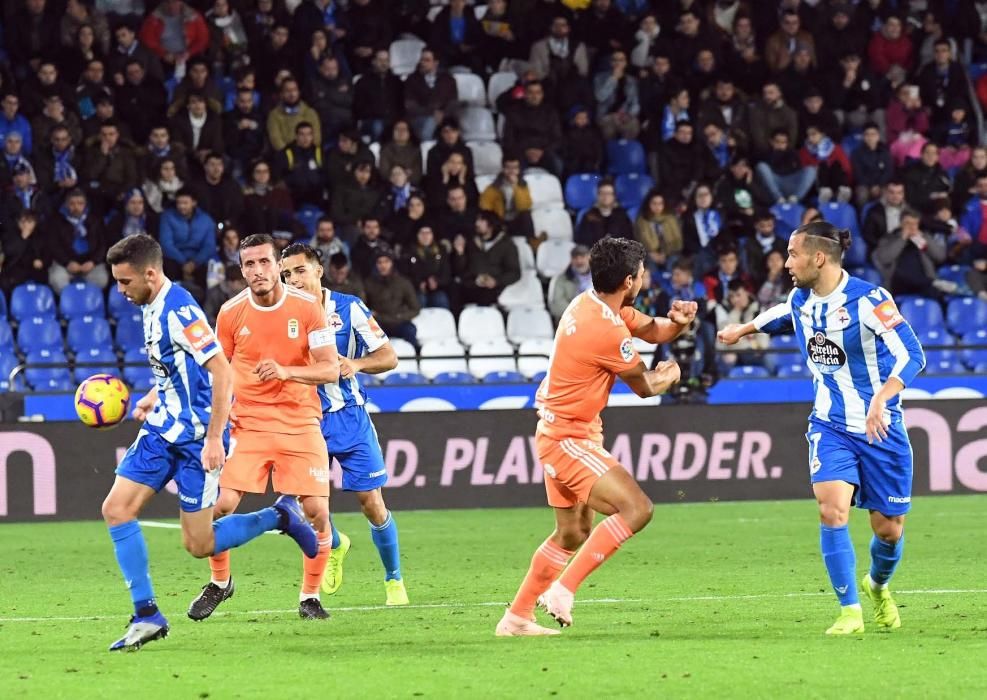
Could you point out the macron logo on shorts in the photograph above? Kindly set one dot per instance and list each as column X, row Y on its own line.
column 899, row 499
column 188, row 499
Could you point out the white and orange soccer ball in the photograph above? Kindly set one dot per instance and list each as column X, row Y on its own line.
column 102, row 401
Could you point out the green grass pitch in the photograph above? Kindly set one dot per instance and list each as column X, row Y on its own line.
column 723, row 600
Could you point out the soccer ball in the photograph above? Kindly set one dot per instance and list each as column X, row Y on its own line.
column 102, row 401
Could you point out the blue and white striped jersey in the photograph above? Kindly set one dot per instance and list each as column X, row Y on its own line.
column 852, row 340
column 179, row 342
column 357, row 334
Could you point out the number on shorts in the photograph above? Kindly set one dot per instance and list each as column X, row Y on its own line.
column 814, row 463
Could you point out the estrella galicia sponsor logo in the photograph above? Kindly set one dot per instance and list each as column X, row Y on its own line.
column 827, row 355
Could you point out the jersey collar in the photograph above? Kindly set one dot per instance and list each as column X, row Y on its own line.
column 844, row 280
column 159, row 300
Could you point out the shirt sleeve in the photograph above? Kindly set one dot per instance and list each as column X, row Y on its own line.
column 224, row 333
column 319, row 333
column 880, row 315
column 615, row 351
column 366, row 328
column 190, row 331
column 633, row 318
column 777, row 320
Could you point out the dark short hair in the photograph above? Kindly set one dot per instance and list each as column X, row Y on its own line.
column 311, row 254
column 303, row 125
column 735, row 285
column 684, row 263
column 214, row 155
column 186, row 192
column 492, row 220
column 256, row 240
column 824, row 236
column 338, row 260
column 613, row 260
column 140, row 250
column 324, row 220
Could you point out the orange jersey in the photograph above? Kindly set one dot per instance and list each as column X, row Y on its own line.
column 285, row 333
column 592, row 346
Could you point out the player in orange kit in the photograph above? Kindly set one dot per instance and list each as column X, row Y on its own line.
column 281, row 349
column 593, row 346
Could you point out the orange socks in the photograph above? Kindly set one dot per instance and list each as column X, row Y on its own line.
column 220, row 566
column 549, row 559
column 314, row 569
column 605, row 539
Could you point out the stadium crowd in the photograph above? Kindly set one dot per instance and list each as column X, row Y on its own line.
column 430, row 152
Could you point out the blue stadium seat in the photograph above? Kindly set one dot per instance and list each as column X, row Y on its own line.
column 945, row 367
column 118, row 304
column 308, row 216
column 538, row 376
column 748, row 372
column 933, row 357
column 47, row 378
column 404, row 379
column 856, row 254
column 139, row 378
column 30, row 299
column 632, row 212
column 3, row 305
column 6, row 338
column 790, row 215
column 580, row 190
column 503, row 378
column 792, row 371
column 129, row 332
column 81, row 299
column 966, row 314
column 88, row 332
column 932, row 337
column 367, row 379
column 624, row 156
column 454, row 378
column 851, row 142
column 7, row 363
column 868, row 274
column 842, row 215
column 39, row 333
column 784, row 342
column 106, row 357
column 923, row 314
column 632, row 188
column 954, row 273
column 973, row 357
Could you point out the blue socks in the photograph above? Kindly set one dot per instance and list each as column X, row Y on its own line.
column 233, row 530
column 884, row 557
column 131, row 553
column 385, row 538
column 840, row 561
column 335, row 533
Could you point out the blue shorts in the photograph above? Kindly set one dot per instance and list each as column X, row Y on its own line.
column 352, row 439
column 153, row 461
column 882, row 471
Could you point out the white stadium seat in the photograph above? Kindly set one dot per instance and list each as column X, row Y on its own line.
column 480, row 323
column 482, row 182
column 525, row 255
column 405, row 54
column 553, row 221
column 481, row 362
column 486, row 157
column 554, row 256
column 525, row 292
column 435, row 324
column 402, row 348
column 545, row 188
column 470, row 90
column 375, row 149
column 499, row 84
column 478, row 124
column 540, row 349
column 452, row 354
column 528, row 322
column 426, row 146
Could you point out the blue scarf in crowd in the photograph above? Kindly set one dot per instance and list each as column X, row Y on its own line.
column 80, row 238
column 63, row 164
column 822, row 150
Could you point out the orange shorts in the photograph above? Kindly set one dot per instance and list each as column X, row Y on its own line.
column 298, row 464
column 572, row 467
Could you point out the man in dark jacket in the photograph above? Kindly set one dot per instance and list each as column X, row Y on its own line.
column 109, row 170
column 33, row 34
column 781, row 172
column 341, row 159
column 57, row 164
column 392, row 299
column 872, row 165
column 885, row 215
column 606, row 218
column 77, row 244
column 25, row 253
column 486, row 264
column 449, row 141
column 377, row 99
column 427, row 266
column 428, row 95
column 330, row 93
column 302, row 169
column 942, row 82
column 219, row 195
column 684, row 163
column 198, row 129
column 458, row 218
column 243, row 130
column 368, row 246
column 140, row 100
column 925, row 178
column 533, row 130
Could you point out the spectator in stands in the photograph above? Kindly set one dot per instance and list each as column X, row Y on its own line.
column 736, row 194
column 683, row 164
column 885, row 216
column 133, row 217
column 319, row 15
column 368, row 245
column 160, row 146
column 77, row 15
column 403, row 225
column 745, row 62
column 800, row 76
column 726, row 108
column 429, row 93
column 908, row 259
column 582, row 144
column 559, row 58
column 617, row 104
column 26, row 253
column 392, row 299
column 830, row 162
column 781, row 172
column 32, row 34
column 780, row 50
column 777, row 282
column 532, row 129
column 356, row 200
column 105, row 110
column 942, row 82
column 740, row 306
column 770, row 115
column 453, row 173
column 11, row 120
column 457, row 218
column 755, row 249
column 925, row 178
column 402, row 149
column 570, row 283
column 509, row 198
column 288, row 114
column 427, row 266
column 397, row 193
column 965, row 182
column 218, row 193
column 198, row 129
column 719, row 150
column 690, row 37
column 197, row 80
column 502, row 31
column 457, row 36
column 77, row 244
column 243, row 131
column 871, row 165
column 25, row 194
column 341, row 278
column 605, row 218
column 109, row 170
column 485, row 263
column 717, row 281
column 140, row 100
column 857, row 94
column 839, row 37
column 378, row 97
column 348, row 151
column 702, row 225
column 907, row 122
column 702, row 335
column 53, row 114
column 330, row 92
column 302, row 169
column 228, row 37
column 325, row 240
column 275, row 57
column 175, row 32
column 659, row 230
column 676, row 111
column 267, row 203
column 127, row 49
column 44, row 83
column 231, row 285
column 449, row 140
column 11, row 157
column 974, row 216
column 955, row 137
column 188, row 242
column 57, row 166
column 890, row 47
column 161, row 191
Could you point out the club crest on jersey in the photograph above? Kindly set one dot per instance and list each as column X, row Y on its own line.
column 335, row 322
column 293, row 328
column 842, row 317
column 827, row 355
column 626, row 349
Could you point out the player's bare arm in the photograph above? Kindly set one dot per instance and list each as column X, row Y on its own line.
column 647, row 383
column 732, row 333
column 324, row 370
column 213, row 451
column 145, row 405
column 664, row 330
column 380, row 360
column 877, row 422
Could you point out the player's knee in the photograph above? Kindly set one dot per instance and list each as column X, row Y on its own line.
column 889, row 531
column 198, row 547
column 572, row 536
column 373, row 508
column 118, row 512
column 833, row 515
column 638, row 513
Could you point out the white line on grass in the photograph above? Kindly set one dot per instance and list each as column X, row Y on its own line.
column 495, row 604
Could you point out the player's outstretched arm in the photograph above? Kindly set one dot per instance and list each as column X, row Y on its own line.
column 383, row 359
column 213, row 451
column 733, row 332
column 145, row 405
column 664, row 330
column 647, row 383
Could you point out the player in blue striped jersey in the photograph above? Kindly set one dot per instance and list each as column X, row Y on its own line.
column 362, row 347
column 861, row 354
column 184, row 437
